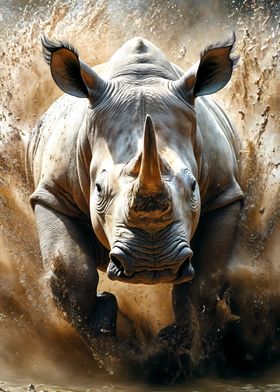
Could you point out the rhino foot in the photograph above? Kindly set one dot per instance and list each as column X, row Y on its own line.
column 175, row 337
column 166, row 367
column 104, row 318
column 171, row 359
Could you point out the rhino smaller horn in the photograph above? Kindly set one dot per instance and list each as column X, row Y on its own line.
column 150, row 174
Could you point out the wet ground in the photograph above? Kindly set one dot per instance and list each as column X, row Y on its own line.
column 100, row 385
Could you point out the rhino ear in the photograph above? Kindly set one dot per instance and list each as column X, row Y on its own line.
column 70, row 74
column 211, row 73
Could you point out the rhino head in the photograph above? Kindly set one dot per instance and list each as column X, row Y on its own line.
column 146, row 215
column 145, row 157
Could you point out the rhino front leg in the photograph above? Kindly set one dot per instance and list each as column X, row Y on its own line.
column 212, row 246
column 198, row 300
column 70, row 255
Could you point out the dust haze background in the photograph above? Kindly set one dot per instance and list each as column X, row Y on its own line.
column 34, row 339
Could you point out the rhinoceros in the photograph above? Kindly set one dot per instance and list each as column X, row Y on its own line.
column 135, row 174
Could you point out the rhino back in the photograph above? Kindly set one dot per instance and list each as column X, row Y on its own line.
column 138, row 59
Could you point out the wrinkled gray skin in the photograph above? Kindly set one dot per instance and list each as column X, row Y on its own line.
column 126, row 173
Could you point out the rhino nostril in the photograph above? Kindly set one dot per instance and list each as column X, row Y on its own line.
column 189, row 255
column 187, row 260
column 121, row 269
column 186, row 269
column 117, row 263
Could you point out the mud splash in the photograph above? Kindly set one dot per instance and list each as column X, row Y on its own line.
column 34, row 339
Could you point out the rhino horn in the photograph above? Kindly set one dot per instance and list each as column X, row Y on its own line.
column 150, row 178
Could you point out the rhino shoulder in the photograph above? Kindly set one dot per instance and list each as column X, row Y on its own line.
column 220, row 155
column 55, row 156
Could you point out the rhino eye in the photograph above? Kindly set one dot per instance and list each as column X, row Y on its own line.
column 193, row 185
column 190, row 180
column 98, row 187
column 101, row 192
column 101, row 183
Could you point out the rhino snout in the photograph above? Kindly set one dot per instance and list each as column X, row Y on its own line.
column 151, row 270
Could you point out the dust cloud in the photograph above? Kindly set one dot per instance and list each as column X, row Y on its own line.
column 34, row 338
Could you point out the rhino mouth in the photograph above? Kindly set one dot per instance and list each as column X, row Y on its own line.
column 169, row 273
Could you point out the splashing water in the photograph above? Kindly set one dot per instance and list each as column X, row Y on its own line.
column 35, row 341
